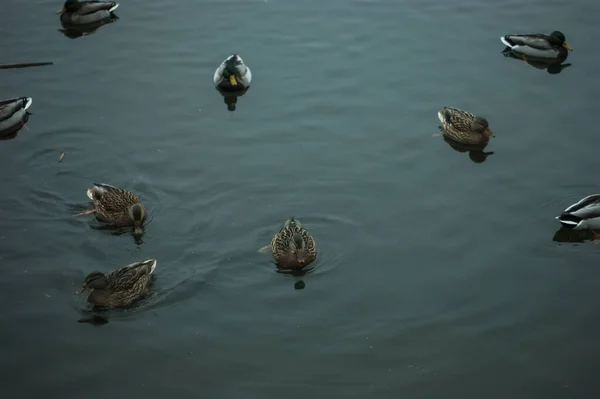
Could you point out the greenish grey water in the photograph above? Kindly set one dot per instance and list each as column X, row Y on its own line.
column 437, row 277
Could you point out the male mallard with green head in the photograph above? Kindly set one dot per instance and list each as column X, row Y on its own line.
column 119, row 288
column 292, row 247
column 86, row 12
column 232, row 75
column 464, row 127
column 537, row 45
column 116, row 206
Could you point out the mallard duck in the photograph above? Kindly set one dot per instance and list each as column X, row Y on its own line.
column 464, row 127
column 119, row 288
column 538, row 45
column 116, row 206
column 86, row 12
column 292, row 247
column 582, row 215
column 13, row 112
column 233, row 75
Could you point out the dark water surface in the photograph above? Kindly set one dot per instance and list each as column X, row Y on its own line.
column 437, row 277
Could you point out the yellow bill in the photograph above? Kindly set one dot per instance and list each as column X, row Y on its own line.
column 566, row 45
column 232, row 80
column 61, row 10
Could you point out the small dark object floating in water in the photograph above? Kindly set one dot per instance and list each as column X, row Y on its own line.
column 94, row 320
column 25, row 65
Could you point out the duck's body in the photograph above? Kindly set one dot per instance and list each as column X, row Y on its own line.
column 537, row 45
column 293, row 247
column 13, row 112
column 464, row 127
column 232, row 75
column 86, row 12
column 119, row 288
column 582, row 215
column 117, row 206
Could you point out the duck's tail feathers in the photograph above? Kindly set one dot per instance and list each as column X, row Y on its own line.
column 152, row 265
column 504, row 39
column 90, row 193
column 441, row 117
column 116, row 5
column 28, row 102
column 569, row 220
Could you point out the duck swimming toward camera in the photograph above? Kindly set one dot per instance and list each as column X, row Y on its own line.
column 119, row 288
column 233, row 75
column 116, row 206
column 76, row 12
column 464, row 127
column 537, row 45
column 292, row 247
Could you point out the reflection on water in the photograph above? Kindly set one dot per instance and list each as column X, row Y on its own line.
column 75, row 31
column 95, row 320
column 565, row 234
column 230, row 98
column 298, row 275
column 476, row 153
column 12, row 132
column 552, row 65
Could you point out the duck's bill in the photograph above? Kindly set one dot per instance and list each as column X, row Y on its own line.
column 491, row 134
column 61, row 10
column 300, row 258
column 566, row 45
column 232, row 80
column 81, row 290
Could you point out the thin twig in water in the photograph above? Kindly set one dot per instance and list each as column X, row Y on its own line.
column 25, row 65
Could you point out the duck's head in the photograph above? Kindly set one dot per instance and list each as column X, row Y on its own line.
column 481, row 124
column 137, row 213
column 233, row 69
column 94, row 280
column 70, row 6
column 557, row 38
column 297, row 248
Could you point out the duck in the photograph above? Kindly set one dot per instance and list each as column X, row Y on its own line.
column 13, row 112
column 292, row 247
column 464, row 127
column 233, row 75
column 538, row 45
column 582, row 215
column 116, row 206
column 119, row 288
column 76, row 12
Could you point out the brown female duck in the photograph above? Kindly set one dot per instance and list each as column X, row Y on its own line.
column 464, row 127
column 116, row 206
column 119, row 288
column 292, row 247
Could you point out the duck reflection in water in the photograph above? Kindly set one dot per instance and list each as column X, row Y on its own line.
column 230, row 99
column 552, row 66
column 476, row 153
column 13, row 116
column 76, row 31
column 298, row 274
